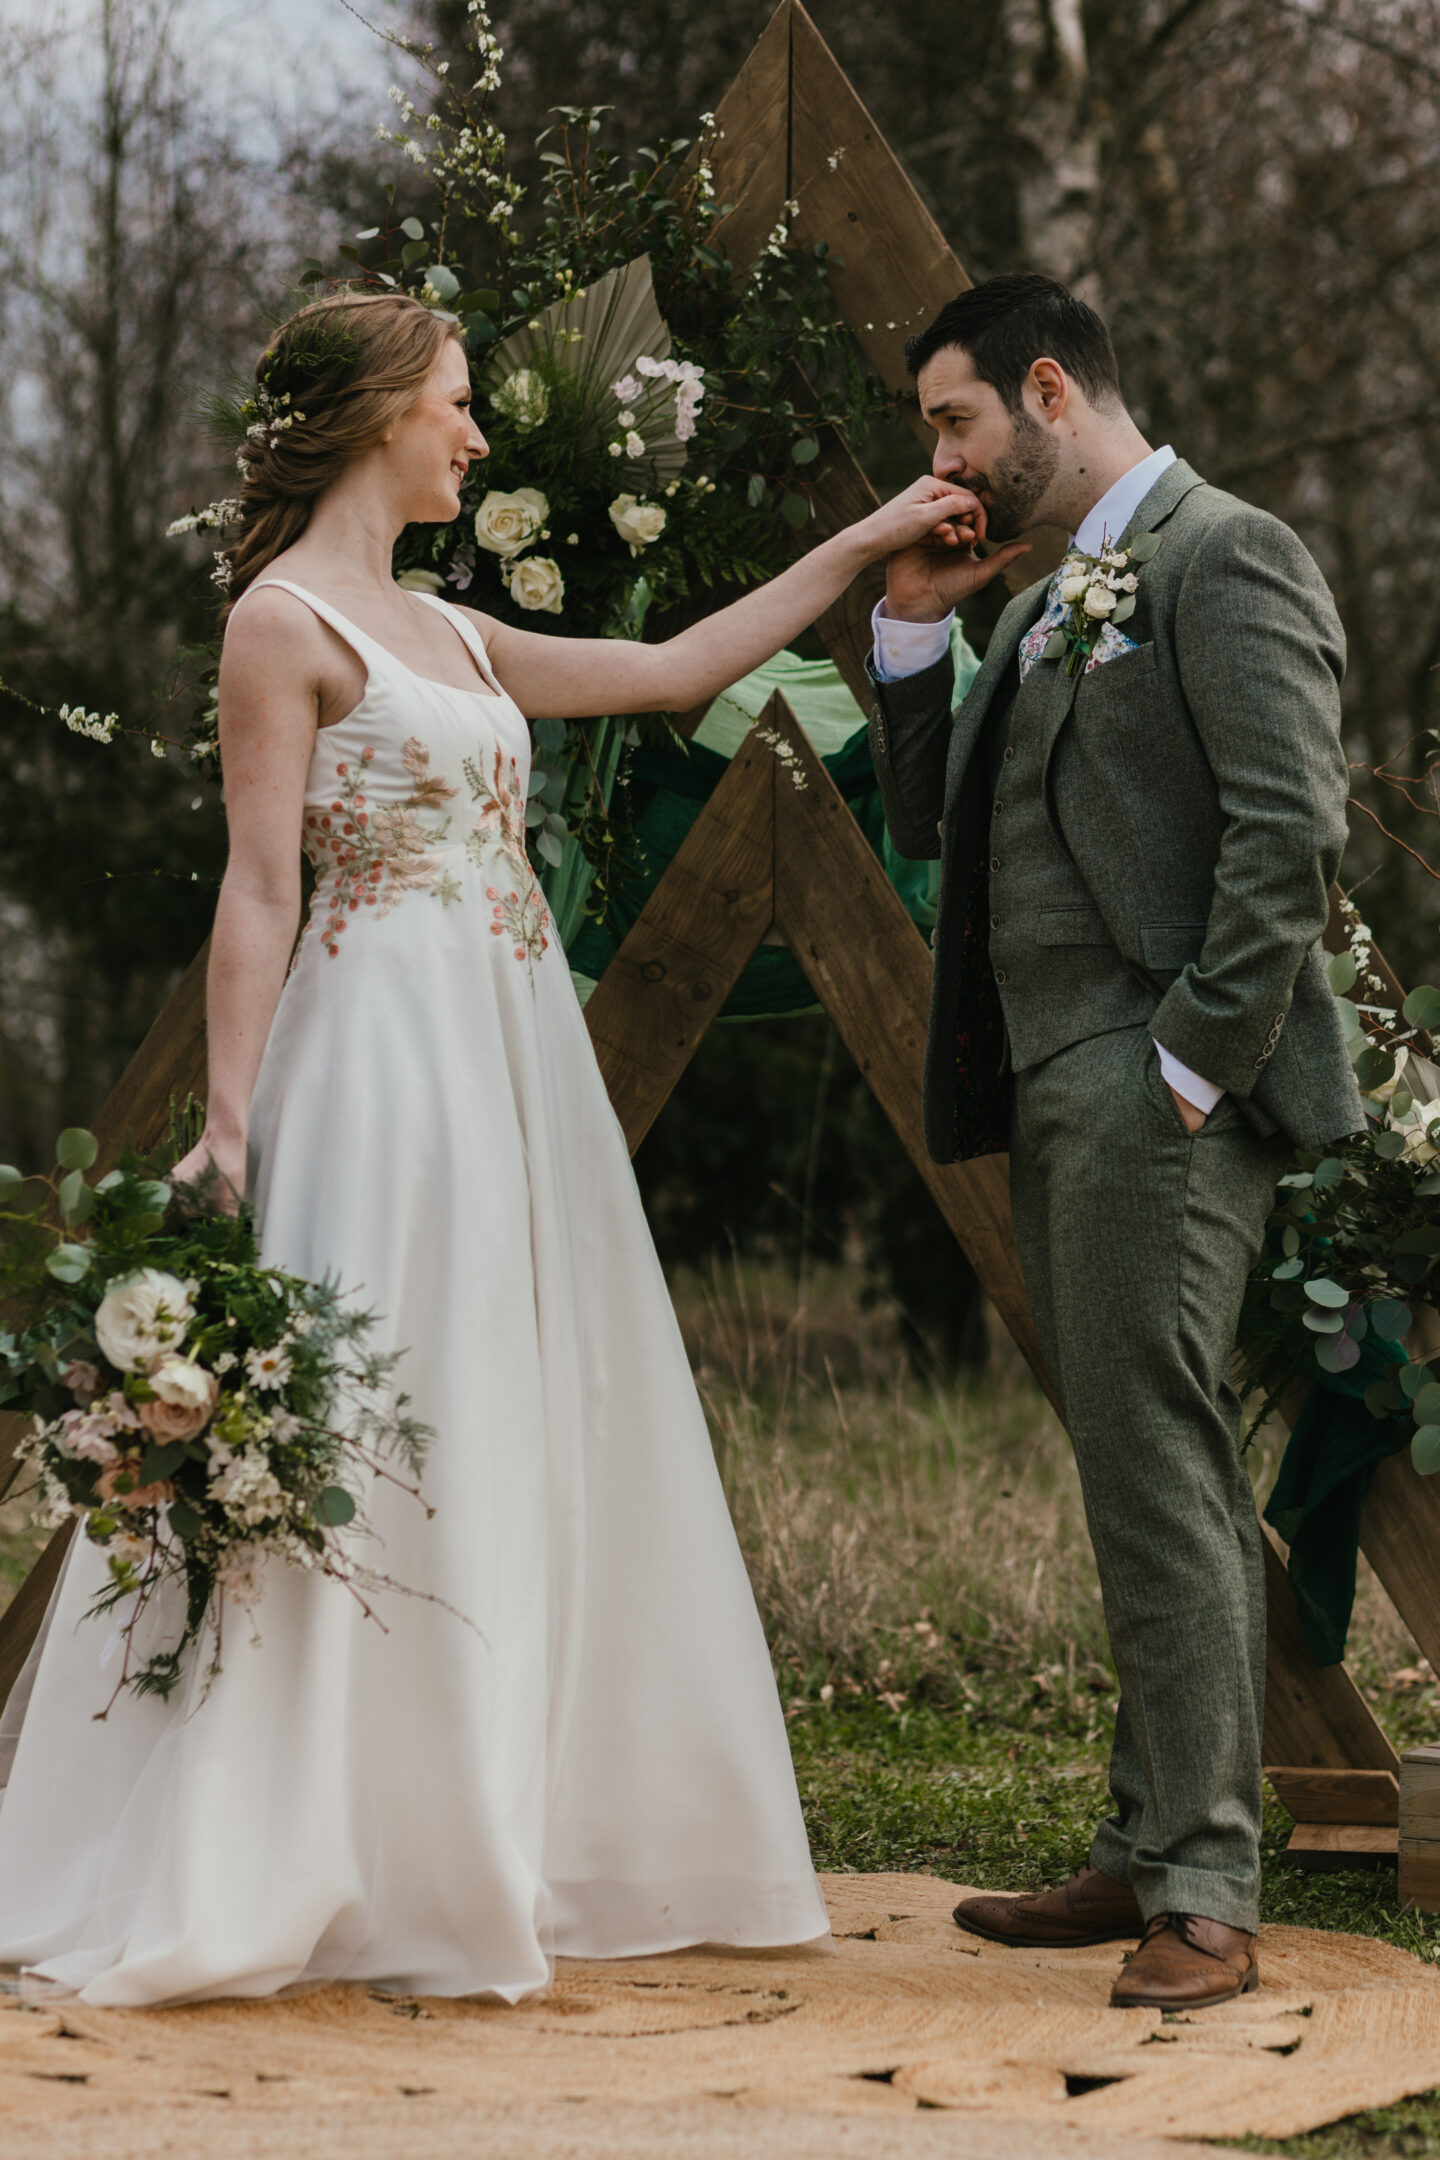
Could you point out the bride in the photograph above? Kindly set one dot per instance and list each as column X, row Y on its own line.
column 596, row 1765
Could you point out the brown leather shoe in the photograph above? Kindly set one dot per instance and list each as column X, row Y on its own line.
column 1090, row 1908
column 1186, row 1963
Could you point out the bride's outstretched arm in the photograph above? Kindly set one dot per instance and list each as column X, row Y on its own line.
column 569, row 677
column 268, row 713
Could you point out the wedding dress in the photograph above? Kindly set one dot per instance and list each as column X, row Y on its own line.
column 586, row 1755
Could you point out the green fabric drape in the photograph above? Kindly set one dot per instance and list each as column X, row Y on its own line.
column 1320, row 1491
column 670, row 787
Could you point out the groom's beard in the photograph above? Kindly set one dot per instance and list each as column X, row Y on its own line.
column 1016, row 484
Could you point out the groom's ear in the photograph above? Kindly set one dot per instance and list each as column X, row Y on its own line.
column 1049, row 388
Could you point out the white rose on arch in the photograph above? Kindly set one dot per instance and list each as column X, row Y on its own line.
column 506, row 524
column 536, row 584
column 141, row 1317
column 640, row 523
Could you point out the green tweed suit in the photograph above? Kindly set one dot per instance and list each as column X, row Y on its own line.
column 1145, row 851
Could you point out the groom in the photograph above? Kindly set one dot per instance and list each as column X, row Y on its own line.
column 1137, row 826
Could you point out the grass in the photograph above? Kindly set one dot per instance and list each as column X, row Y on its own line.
column 922, row 1568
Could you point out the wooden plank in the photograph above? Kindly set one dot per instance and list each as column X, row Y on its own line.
column 1339, row 1796
column 20, row 1622
column 1326, row 1848
column 1419, row 1883
column 1315, row 1716
column 842, row 496
column 1400, row 1537
column 683, row 956
column 871, row 969
column 751, row 155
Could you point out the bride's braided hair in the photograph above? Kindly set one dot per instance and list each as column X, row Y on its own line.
column 331, row 380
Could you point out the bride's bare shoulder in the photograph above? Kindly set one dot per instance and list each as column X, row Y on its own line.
column 270, row 629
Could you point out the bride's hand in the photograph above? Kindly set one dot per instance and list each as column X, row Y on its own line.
column 227, row 1157
column 936, row 566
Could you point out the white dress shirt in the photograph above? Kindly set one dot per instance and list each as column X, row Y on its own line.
column 904, row 648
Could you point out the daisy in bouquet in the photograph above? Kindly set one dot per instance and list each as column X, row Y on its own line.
column 202, row 1416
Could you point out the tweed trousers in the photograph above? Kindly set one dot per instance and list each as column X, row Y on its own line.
column 1136, row 1238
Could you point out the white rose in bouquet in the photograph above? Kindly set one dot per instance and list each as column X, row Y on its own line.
column 1099, row 602
column 185, row 1399
column 142, row 1316
column 1074, row 585
column 504, row 524
column 523, row 398
column 537, row 584
column 640, row 523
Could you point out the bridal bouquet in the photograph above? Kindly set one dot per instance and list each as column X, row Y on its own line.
column 200, row 1414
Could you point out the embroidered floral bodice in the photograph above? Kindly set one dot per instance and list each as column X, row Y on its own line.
column 419, row 792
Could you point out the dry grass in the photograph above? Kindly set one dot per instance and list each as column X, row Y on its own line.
column 910, row 1543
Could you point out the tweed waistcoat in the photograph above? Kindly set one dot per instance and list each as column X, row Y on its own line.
column 1060, row 977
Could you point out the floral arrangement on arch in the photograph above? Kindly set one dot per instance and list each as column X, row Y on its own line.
column 1354, row 1240
column 203, row 1417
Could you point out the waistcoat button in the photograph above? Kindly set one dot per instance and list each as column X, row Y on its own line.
column 998, row 808
column 994, row 862
column 1009, row 750
column 999, row 975
column 994, row 922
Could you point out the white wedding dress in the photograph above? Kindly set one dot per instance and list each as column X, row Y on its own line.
column 592, row 1761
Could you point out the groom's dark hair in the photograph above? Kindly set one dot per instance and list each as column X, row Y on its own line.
column 1010, row 322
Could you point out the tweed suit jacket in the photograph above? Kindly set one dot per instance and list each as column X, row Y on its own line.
column 1198, row 783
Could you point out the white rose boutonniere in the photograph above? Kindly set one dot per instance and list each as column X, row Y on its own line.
column 1096, row 590
column 506, row 524
column 524, row 398
column 537, row 584
column 640, row 523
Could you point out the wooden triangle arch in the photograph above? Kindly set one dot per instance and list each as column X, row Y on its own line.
column 776, row 850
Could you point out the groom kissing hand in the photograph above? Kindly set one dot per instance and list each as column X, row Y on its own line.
column 1139, row 807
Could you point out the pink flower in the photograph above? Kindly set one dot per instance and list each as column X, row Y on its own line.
column 82, row 1378
column 185, row 1399
column 87, row 1437
column 107, row 1486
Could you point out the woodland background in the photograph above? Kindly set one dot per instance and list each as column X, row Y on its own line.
column 1249, row 189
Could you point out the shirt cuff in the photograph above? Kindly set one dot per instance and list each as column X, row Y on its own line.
column 1200, row 1094
column 906, row 648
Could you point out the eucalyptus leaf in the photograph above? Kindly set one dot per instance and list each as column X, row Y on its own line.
column 550, row 735
column 69, row 1263
column 1357, row 1327
column 1145, row 547
column 556, row 827
column 76, row 1149
column 1124, row 609
column 1286, row 1270
column 158, row 1463
column 412, row 228
column 805, row 451
column 549, row 849
column 1290, row 1241
column 77, row 1200
column 1322, row 1291
column 1390, row 1318
column 1302, row 1180
column 1411, row 1378
column 1374, row 1067
column 1422, row 1007
column 442, row 282
column 1401, row 1104
column 1055, row 646
column 1324, row 1323
column 534, row 813
column 1389, row 1146
column 795, row 510
column 335, row 1505
column 1341, row 972
column 1337, row 1354
column 1352, row 1027
column 755, row 490
column 186, row 1521
column 1425, row 1450
column 1328, row 1173
column 1425, row 1409
column 11, row 1180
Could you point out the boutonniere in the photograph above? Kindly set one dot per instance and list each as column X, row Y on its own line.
column 1095, row 590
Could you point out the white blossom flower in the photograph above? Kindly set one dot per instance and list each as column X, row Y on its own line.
column 617, row 449
column 81, row 722
column 1074, row 587
column 267, row 1369
column 634, row 444
column 1099, row 602
column 506, row 524
column 625, row 419
column 142, row 1316
column 536, row 584
column 640, row 523
column 248, row 1490
column 626, row 392
column 524, row 398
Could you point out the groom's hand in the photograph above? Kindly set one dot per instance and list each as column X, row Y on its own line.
column 924, row 582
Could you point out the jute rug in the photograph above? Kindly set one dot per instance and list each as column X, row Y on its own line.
column 907, row 2038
